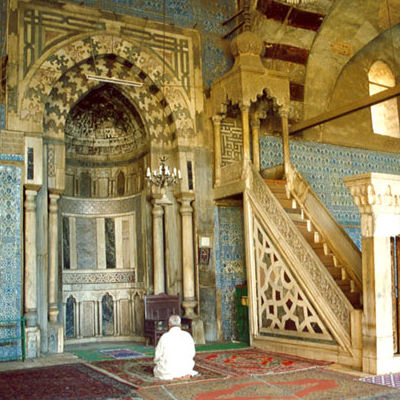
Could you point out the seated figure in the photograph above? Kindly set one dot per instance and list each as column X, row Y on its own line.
column 174, row 353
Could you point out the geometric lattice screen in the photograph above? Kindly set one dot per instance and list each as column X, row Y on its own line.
column 283, row 308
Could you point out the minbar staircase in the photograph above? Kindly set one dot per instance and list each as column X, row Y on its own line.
column 316, row 241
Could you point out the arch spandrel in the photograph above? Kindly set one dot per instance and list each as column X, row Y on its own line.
column 143, row 64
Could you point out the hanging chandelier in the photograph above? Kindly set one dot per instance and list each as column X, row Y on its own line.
column 163, row 176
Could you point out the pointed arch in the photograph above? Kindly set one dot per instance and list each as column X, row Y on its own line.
column 385, row 115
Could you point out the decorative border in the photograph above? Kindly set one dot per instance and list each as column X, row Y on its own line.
column 70, row 278
column 71, row 206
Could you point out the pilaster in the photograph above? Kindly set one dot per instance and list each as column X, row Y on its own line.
column 377, row 197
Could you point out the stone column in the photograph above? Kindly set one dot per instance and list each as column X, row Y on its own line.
column 377, row 197
column 30, row 291
column 30, row 259
column 255, row 131
column 53, row 257
column 189, row 298
column 217, row 148
column 244, row 108
column 158, row 248
column 188, row 267
column 284, row 113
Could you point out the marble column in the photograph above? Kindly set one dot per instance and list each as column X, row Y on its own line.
column 284, row 113
column 255, row 132
column 32, row 332
column 189, row 298
column 158, row 248
column 217, row 148
column 30, row 259
column 376, row 196
column 53, row 257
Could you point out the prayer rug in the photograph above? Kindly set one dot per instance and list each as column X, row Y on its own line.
column 253, row 362
column 315, row 384
column 139, row 372
column 123, row 354
column 63, row 382
column 392, row 380
column 97, row 353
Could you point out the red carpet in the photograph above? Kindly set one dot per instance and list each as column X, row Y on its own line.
column 139, row 372
column 64, row 382
column 313, row 384
column 253, row 362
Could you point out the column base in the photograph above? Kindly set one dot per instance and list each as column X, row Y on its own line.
column 198, row 331
column 189, row 304
column 55, row 337
column 32, row 342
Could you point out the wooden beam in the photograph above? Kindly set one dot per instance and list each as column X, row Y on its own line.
column 347, row 109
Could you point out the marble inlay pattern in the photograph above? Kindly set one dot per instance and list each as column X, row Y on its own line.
column 75, row 206
column 230, row 268
column 188, row 14
column 324, row 167
column 98, row 277
column 10, row 255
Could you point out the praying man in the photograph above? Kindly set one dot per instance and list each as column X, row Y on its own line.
column 174, row 353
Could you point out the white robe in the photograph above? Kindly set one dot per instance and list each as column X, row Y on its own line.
column 174, row 355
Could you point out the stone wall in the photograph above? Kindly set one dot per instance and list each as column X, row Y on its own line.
column 324, row 167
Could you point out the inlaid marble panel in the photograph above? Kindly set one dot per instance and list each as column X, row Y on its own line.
column 86, row 246
column 87, row 322
column 110, row 242
column 230, row 265
column 10, row 258
column 70, row 317
column 188, row 14
column 107, row 308
column 324, row 167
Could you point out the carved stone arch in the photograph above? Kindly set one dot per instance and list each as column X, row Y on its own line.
column 151, row 106
column 143, row 64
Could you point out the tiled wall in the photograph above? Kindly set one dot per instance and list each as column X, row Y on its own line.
column 230, row 265
column 3, row 8
column 324, row 167
column 188, row 14
column 10, row 256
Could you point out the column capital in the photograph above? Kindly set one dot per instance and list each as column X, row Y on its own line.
column 185, row 196
column 216, row 119
column 377, row 197
column 244, row 107
column 284, row 111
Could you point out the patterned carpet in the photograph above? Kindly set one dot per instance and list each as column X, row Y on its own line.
column 392, row 380
column 65, row 382
column 253, row 362
column 312, row 384
column 106, row 353
column 139, row 372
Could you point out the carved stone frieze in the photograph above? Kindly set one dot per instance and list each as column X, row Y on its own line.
column 377, row 197
column 98, row 277
column 75, row 206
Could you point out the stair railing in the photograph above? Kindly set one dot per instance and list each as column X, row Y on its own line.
column 308, row 269
column 343, row 248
